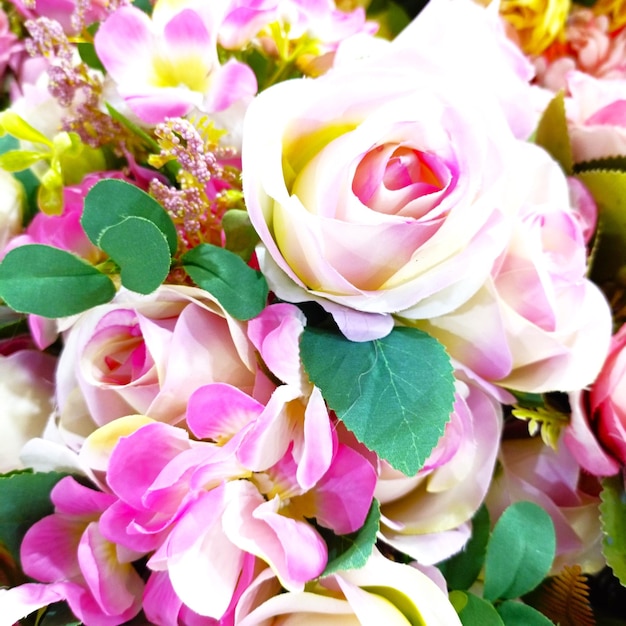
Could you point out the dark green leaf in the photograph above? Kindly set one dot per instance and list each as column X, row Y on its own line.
column 88, row 55
column 141, row 251
column 58, row 614
column 520, row 551
column 607, row 163
column 609, row 191
column 613, row 518
column 51, row 282
column 351, row 551
column 474, row 611
column 241, row 290
column 395, row 394
column 462, row 569
column 24, row 499
column 518, row 614
column 553, row 135
column 110, row 201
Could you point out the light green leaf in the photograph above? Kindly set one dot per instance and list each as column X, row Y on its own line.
column 241, row 290
column 553, row 135
column 520, row 551
column 474, row 611
column 13, row 124
column 241, row 238
column 140, row 250
column 613, row 519
column 19, row 160
column 351, row 551
column 24, row 499
column 518, row 614
column 395, row 394
column 110, row 201
column 462, row 569
column 51, row 282
column 609, row 191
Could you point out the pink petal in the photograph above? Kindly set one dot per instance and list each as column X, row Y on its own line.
column 229, row 83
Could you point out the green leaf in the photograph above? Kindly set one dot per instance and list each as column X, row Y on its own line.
column 474, row 611
column 462, row 569
column 613, row 519
column 395, row 394
column 552, row 133
column 609, row 191
column 18, row 160
column 24, row 499
column 87, row 53
column 520, row 551
column 606, row 163
column 13, row 124
column 518, row 614
column 58, row 614
column 241, row 290
column 50, row 282
column 110, row 201
column 351, row 551
column 141, row 251
column 241, row 237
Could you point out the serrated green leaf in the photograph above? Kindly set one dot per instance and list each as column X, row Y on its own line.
column 141, row 251
column 352, row 551
column 607, row 163
column 395, row 394
column 110, row 201
column 241, row 290
column 241, row 237
column 613, row 519
column 609, row 191
column 520, row 551
column 474, row 611
column 518, row 614
column 50, row 282
column 462, row 569
column 24, row 499
column 552, row 133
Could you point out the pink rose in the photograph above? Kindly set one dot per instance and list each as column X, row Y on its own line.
column 147, row 355
column 537, row 324
column 597, row 117
column 381, row 187
column 607, row 399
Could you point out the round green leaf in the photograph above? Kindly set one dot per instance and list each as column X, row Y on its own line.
column 520, row 551
column 141, row 251
column 51, row 282
column 111, row 200
column 241, row 290
column 474, row 611
column 395, row 394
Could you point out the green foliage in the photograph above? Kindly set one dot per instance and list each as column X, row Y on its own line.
column 241, row 290
column 395, row 394
column 518, row 614
column 552, row 133
column 351, row 551
column 462, row 569
column 520, row 551
column 474, row 611
column 609, row 191
column 24, row 499
column 111, row 201
column 50, row 282
column 613, row 519
column 241, row 238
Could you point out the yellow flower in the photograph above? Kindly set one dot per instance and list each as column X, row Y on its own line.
column 615, row 10
column 537, row 22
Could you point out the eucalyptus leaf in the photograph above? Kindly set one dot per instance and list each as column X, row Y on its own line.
column 141, row 251
column 520, row 551
column 552, row 133
column 241, row 290
column 110, row 201
column 352, row 551
column 613, row 519
column 462, row 569
column 50, row 282
column 518, row 614
column 24, row 499
column 474, row 611
column 395, row 394
column 609, row 191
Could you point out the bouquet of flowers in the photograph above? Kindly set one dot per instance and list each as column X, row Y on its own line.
column 312, row 313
